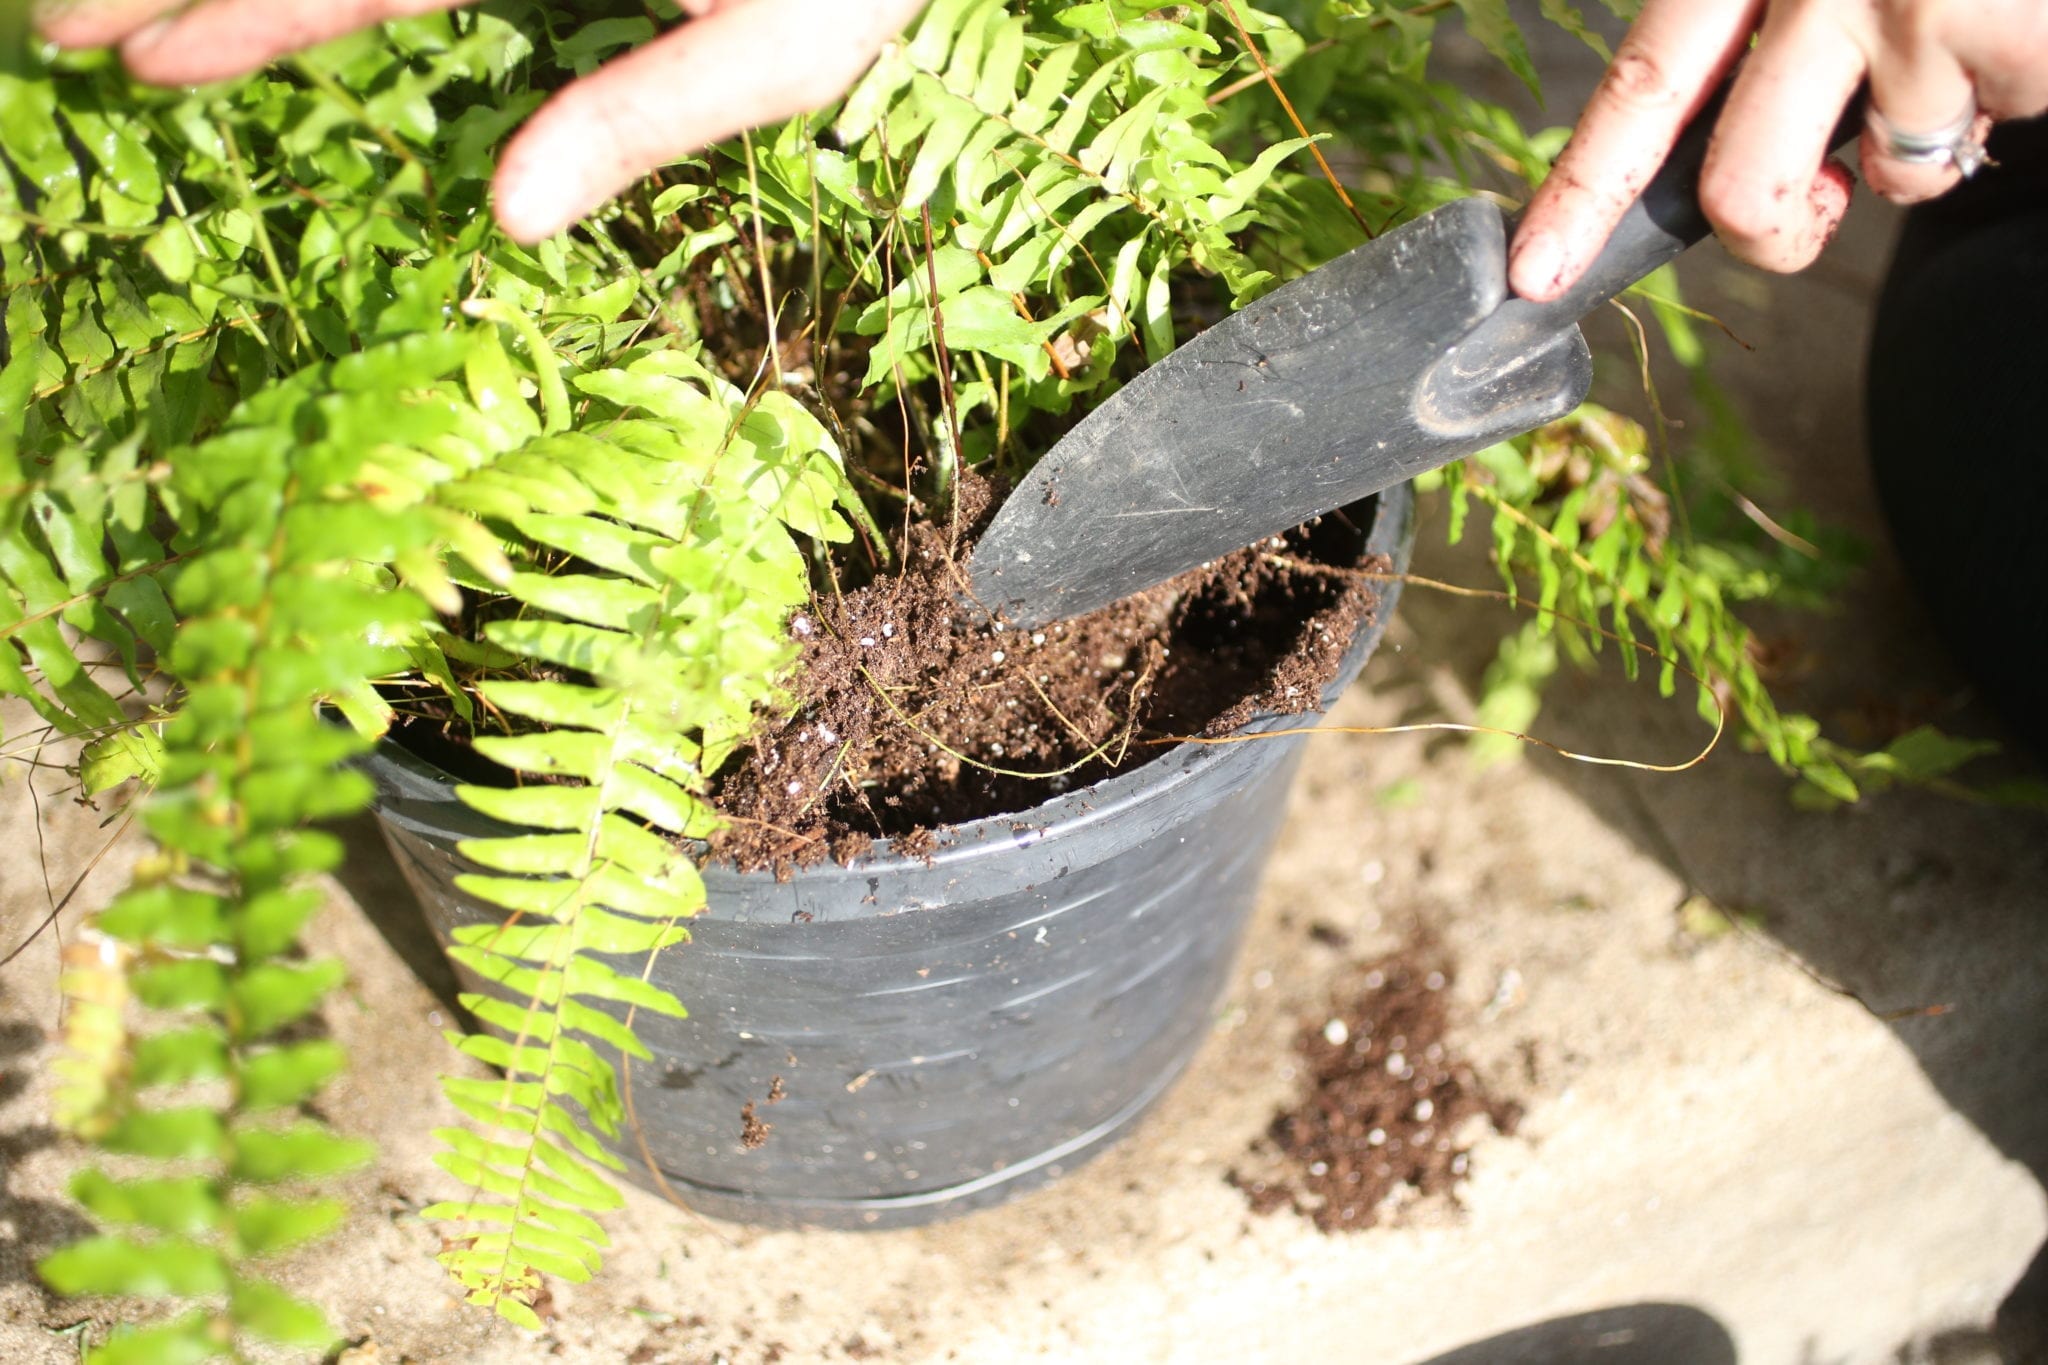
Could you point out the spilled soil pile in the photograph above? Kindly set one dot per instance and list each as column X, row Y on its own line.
column 1385, row 1106
column 910, row 719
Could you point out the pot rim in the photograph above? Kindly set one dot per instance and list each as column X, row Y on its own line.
column 1391, row 534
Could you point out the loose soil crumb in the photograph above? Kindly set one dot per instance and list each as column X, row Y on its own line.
column 910, row 719
column 753, row 1132
column 1386, row 1108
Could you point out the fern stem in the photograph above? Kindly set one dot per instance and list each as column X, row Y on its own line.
column 9, row 628
column 1266, row 73
column 261, row 230
column 340, row 94
column 1537, row 530
column 126, row 357
column 770, row 314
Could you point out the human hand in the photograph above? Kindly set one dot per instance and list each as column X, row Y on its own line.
column 1939, row 72
column 735, row 65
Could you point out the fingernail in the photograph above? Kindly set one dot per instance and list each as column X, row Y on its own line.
column 535, row 205
column 146, row 37
column 41, row 12
column 79, row 23
column 1535, row 264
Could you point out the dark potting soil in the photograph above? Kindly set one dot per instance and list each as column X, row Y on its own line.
column 1384, row 1106
column 909, row 719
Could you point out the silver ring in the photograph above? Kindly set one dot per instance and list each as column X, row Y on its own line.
column 1958, row 143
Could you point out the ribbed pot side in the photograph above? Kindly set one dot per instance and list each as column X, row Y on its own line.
column 947, row 1032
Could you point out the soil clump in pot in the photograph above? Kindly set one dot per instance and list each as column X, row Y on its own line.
column 909, row 718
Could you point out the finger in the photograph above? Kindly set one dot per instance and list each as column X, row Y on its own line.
column 1663, row 71
column 96, row 23
column 737, row 68
column 223, row 38
column 1767, row 185
column 2004, row 45
column 1917, row 86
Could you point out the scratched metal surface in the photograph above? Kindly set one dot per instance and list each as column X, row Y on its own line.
column 948, row 1033
column 1326, row 391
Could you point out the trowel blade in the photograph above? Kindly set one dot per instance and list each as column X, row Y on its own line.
column 1314, row 396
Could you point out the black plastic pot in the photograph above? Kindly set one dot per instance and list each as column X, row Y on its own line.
column 948, row 1032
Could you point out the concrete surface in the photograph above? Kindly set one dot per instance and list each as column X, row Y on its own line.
column 1732, row 1150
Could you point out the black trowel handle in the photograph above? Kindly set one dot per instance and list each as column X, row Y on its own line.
column 1663, row 222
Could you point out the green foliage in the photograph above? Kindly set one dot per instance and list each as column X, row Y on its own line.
column 1574, row 507
column 1615, row 554
column 1925, row 757
column 284, row 399
column 293, row 444
column 689, row 511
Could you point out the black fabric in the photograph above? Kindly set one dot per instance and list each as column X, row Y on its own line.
column 1957, row 407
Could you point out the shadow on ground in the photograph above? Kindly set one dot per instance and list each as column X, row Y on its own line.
column 1908, row 901
column 29, row 1228
column 371, row 877
column 1928, row 910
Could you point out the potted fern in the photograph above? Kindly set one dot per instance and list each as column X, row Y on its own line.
column 289, row 432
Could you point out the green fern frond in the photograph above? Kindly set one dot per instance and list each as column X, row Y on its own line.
column 1571, row 507
column 247, row 764
column 678, row 496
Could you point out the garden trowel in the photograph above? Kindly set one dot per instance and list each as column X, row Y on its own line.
column 1398, row 357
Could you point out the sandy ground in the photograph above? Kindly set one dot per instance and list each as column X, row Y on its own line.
column 1735, row 1146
